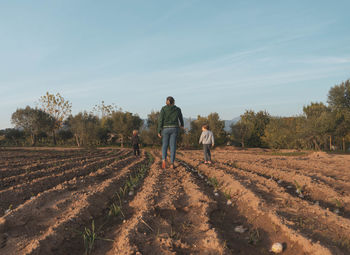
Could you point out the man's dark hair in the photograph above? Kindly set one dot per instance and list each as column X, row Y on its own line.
column 171, row 100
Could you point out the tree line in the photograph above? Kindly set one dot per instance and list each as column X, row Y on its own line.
column 320, row 127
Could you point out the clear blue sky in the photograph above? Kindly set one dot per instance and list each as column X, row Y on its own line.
column 220, row 56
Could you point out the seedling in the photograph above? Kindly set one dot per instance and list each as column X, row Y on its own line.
column 234, row 165
column 115, row 210
column 224, row 244
column 299, row 188
column 338, row 203
column 214, row 182
column 9, row 209
column 89, row 236
column 200, row 174
column 343, row 242
column 174, row 234
column 124, row 189
column 186, row 226
column 254, row 236
column 227, row 194
column 300, row 222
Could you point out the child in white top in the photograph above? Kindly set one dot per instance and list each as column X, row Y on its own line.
column 207, row 139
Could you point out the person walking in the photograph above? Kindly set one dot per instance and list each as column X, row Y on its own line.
column 168, row 129
column 135, row 141
column 207, row 139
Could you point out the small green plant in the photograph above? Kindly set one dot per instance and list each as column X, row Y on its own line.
column 186, row 226
column 119, row 198
column 254, row 237
column 343, row 242
column 299, row 188
column 123, row 190
column 224, row 244
column 89, row 236
column 227, row 194
column 115, row 210
column 338, row 203
column 9, row 209
column 214, row 182
column 174, row 235
column 234, row 164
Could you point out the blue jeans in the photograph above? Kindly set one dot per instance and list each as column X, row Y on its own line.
column 169, row 136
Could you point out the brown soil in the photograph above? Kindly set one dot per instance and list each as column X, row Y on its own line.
column 50, row 199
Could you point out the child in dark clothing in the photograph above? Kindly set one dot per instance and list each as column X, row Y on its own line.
column 135, row 140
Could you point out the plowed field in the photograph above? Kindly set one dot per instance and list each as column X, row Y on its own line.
column 107, row 201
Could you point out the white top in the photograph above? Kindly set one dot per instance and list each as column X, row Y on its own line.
column 207, row 137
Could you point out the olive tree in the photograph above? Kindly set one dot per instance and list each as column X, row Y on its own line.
column 85, row 128
column 32, row 121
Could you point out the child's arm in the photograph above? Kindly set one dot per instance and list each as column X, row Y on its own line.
column 201, row 138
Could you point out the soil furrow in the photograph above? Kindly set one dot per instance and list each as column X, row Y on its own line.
column 294, row 166
column 16, row 195
column 30, row 168
column 54, row 169
column 81, row 202
column 303, row 187
column 258, row 212
column 288, row 203
column 141, row 203
column 19, row 160
column 176, row 221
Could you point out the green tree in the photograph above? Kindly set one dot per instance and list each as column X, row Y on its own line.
column 284, row 133
column 58, row 108
column 339, row 96
column 85, row 128
column 123, row 123
column 319, row 125
column 339, row 102
column 32, row 121
column 12, row 136
column 149, row 135
column 216, row 125
column 249, row 130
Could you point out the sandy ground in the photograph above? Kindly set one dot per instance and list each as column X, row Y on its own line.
column 108, row 201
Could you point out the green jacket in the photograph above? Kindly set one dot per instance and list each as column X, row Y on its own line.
column 169, row 116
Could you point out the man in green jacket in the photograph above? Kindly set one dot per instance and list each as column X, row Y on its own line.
column 168, row 129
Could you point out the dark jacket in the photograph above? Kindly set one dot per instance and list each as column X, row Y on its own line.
column 169, row 116
column 135, row 139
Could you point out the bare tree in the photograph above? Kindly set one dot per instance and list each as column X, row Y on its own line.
column 58, row 108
